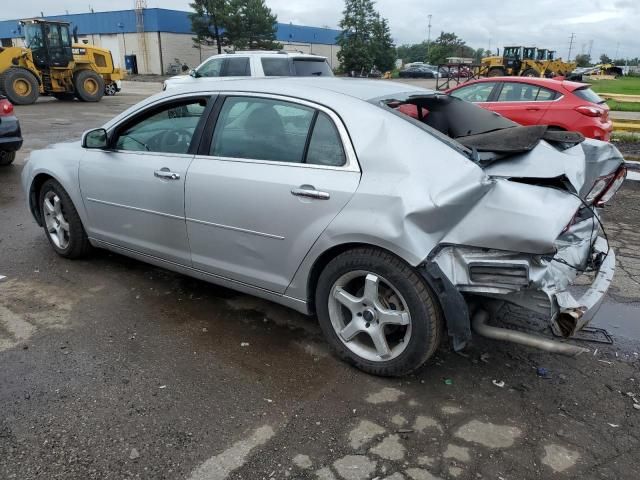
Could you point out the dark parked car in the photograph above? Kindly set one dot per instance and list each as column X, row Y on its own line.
column 417, row 72
column 10, row 136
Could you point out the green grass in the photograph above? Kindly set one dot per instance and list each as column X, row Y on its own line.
column 624, row 85
column 624, row 106
column 625, row 137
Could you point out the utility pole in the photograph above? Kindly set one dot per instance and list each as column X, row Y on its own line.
column 590, row 47
column 617, row 48
column 570, row 46
column 429, row 38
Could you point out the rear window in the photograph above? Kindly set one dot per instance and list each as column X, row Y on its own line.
column 585, row 93
column 276, row 67
column 309, row 67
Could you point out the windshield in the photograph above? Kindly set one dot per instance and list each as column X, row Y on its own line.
column 311, row 67
column 585, row 93
column 33, row 36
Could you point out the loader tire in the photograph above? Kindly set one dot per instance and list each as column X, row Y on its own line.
column 496, row 72
column 20, row 86
column 530, row 72
column 89, row 86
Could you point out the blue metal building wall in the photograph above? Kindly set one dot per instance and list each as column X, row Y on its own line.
column 164, row 20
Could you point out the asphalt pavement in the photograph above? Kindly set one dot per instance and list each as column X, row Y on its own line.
column 114, row 369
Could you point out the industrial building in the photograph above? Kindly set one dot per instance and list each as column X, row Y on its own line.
column 159, row 39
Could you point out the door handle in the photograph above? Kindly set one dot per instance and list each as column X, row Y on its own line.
column 166, row 174
column 310, row 193
column 533, row 109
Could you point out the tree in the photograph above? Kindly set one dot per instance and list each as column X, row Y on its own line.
column 412, row 53
column 382, row 47
column 355, row 53
column 583, row 60
column 251, row 24
column 448, row 44
column 208, row 21
column 604, row 58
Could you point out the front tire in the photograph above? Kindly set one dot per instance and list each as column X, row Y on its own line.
column 530, row 72
column 62, row 224
column 496, row 72
column 20, row 86
column 377, row 313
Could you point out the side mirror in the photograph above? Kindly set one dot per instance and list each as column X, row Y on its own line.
column 194, row 73
column 95, row 139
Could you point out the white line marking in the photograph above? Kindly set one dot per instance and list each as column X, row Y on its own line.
column 221, row 465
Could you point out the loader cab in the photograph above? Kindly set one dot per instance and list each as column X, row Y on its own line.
column 512, row 58
column 49, row 42
column 551, row 55
column 529, row 53
column 542, row 54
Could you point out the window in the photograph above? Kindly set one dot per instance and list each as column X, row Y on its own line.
column 518, row 92
column 276, row 67
column 169, row 129
column 325, row 146
column 478, row 92
column 237, row 67
column 306, row 67
column 212, row 68
column 546, row 95
column 262, row 129
column 585, row 93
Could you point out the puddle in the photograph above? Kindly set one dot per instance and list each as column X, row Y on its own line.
column 619, row 319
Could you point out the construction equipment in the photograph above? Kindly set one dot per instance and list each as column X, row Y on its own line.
column 526, row 62
column 50, row 64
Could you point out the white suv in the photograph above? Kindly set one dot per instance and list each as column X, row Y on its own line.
column 255, row 64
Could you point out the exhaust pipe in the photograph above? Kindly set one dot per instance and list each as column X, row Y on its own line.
column 479, row 323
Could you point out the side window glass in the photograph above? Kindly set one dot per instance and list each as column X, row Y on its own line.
column 518, row 92
column 545, row 95
column 261, row 129
column 168, row 130
column 212, row 68
column 275, row 67
column 237, row 67
column 475, row 93
column 325, row 147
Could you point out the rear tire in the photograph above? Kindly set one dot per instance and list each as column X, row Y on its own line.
column 20, row 86
column 496, row 72
column 530, row 72
column 380, row 289
column 89, row 86
column 62, row 225
column 6, row 158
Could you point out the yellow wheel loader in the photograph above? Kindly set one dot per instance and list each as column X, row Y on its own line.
column 50, row 64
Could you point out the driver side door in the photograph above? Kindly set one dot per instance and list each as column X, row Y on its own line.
column 134, row 191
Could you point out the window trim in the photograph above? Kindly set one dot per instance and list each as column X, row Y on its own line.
column 150, row 110
column 497, row 93
column 351, row 163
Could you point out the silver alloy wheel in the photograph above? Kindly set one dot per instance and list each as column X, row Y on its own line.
column 57, row 225
column 369, row 316
column 110, row 89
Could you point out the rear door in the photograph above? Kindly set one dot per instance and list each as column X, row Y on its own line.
column 521, row 102
column 273, row 174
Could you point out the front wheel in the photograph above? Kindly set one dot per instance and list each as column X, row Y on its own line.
column 62, row 224
column 89, row 86
column 110, row 89
column 6, row 158
column 377, row 313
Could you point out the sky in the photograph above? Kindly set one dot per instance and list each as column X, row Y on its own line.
column 611, row 25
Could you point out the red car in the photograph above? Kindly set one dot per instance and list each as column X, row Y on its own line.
column 560, row 104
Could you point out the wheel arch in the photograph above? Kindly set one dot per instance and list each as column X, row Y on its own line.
column 34, row 193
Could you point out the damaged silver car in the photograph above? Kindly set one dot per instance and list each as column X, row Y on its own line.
column 398, row 216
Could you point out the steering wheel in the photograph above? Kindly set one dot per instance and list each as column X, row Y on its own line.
column 175, row 141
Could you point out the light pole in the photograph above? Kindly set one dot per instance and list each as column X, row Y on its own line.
column 429, row 37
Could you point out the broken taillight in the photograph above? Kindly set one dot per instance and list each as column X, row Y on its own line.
column 612, row 188
column 6, row 108
column 590, row 111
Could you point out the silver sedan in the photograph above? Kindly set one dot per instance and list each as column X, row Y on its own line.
column 396, row 215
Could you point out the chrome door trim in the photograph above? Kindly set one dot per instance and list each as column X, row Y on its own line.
column 137, row 209
column 235, row 229
column 315, row 194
